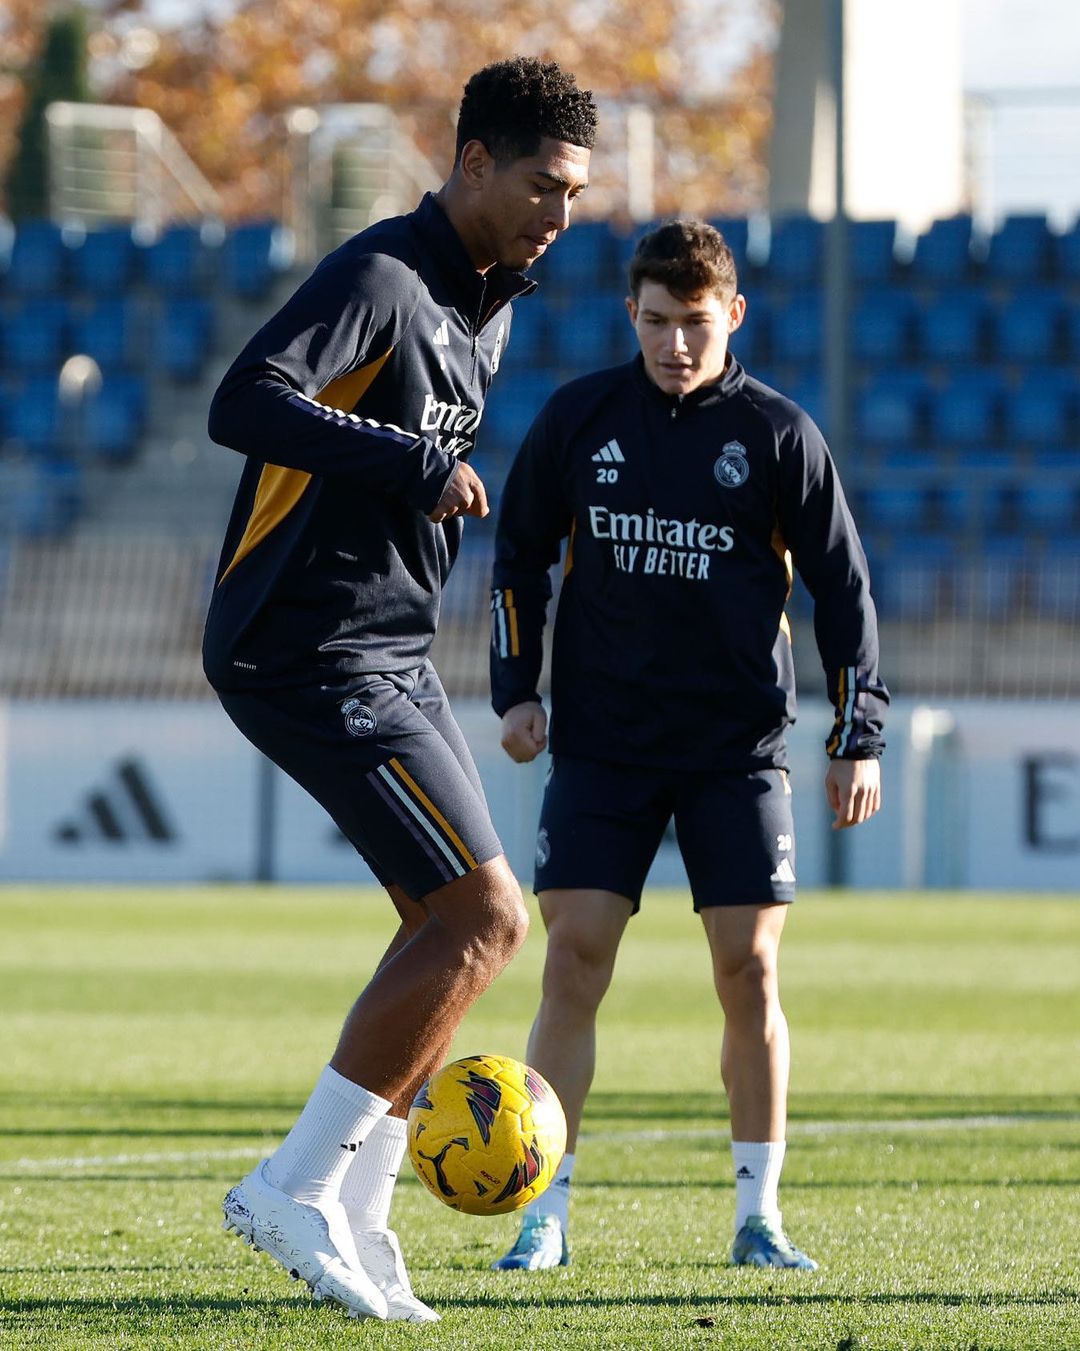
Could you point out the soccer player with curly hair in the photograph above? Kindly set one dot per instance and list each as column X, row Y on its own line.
column 356, row 407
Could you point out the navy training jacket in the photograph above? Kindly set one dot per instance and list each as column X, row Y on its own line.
column 683, row 517
column 352, row 405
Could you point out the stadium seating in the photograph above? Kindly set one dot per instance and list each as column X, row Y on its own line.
column 796, row 251
column 943, row 252
column 38, row 265
column 106, row 263
column 1030, row 327
column 1021, row 249
column 954, row 327
column 881, row 326
column 965, row 410
column 871, row 246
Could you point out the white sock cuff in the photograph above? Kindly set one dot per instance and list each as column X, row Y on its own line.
column 565, row 1168
column 369, row 1103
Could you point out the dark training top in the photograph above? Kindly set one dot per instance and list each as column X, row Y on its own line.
column 671, row 648
column 352, row 405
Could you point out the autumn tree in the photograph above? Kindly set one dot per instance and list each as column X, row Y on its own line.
column 224, row 84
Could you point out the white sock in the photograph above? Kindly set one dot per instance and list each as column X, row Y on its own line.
column 757, row 1178
column 368, row 1187
column 314, row 1157
column 556, row 1200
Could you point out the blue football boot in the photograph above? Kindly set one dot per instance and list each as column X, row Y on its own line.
column 540, row 1245
column 760, row 1243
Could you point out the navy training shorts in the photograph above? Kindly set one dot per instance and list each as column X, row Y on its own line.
column 601, row 825
column 384, row 757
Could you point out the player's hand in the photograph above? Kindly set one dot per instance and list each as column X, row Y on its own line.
column 464, row 495
column 853, row 791
column 524, row 732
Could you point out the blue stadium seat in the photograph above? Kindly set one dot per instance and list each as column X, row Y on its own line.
column 943, row 253
column 750, row 341
column 583, row 258
column 113, row 420
column 808, row 391
column 32, row 418
column 36, row 336
column 871, row 245
column 968, row 408
column 185, row 337
column 1067, row 254
column 1030, row 327
column 1043, row 409
column 253, row 255
column 113, row 332
column 530, row 342
column 39, row 260
column 881, row 326
column 899, row 505
column 1072, row 332
column 105, row 262
column 1021, row 249
column 796, row 251
column 961, row 505
column 510, row 411
column 796, row 330
column 736, row 232
column 1047, row 505
column 178, row 263
column 891, row 408
column 585, row 340
column 953, row 327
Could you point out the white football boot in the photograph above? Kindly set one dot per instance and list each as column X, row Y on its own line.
column 380, row 1255
column 312, row 1242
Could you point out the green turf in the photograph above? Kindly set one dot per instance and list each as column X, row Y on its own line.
column 156, row 1041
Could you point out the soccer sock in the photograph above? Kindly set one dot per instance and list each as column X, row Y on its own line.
column 312, row 1160
column 368, row 1187
column 757, row 1178
column 556, row 1199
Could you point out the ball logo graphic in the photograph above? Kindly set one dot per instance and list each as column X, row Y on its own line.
column 732, row 469
column 359, row 719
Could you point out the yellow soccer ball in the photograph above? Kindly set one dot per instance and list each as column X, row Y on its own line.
column 486, row 1134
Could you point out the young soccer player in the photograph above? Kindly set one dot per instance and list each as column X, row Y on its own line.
column 685, row 489
column 357, row 406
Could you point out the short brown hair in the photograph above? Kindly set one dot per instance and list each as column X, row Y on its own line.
column 689, row 257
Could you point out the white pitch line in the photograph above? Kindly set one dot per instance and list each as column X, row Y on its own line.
column 909, row 1126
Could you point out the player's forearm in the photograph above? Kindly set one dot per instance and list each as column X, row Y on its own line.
column 266, row 418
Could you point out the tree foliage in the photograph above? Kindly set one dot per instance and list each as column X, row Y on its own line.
column 224, row 84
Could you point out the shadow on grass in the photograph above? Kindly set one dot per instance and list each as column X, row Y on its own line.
column 88, row 1311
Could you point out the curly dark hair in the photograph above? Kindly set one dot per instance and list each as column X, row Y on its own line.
column 689, row 257
column 511, row 105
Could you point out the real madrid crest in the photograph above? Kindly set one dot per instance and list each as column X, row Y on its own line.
column 732, row 469
column 359, row 719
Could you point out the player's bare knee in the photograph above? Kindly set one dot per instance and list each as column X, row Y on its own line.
column 748, row 986
column 576, row 973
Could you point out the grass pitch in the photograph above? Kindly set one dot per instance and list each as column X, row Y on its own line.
column 157, row 1042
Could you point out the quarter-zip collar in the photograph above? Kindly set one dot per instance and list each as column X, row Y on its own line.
column 705, row 396
column 475, row 295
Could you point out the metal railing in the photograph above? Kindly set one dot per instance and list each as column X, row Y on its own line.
column 108, row 163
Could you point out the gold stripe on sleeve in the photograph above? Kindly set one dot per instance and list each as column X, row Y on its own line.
column 280, row 489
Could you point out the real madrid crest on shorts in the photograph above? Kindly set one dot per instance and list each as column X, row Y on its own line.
column 359, row 719
column 732, row 469
column 543, row 848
